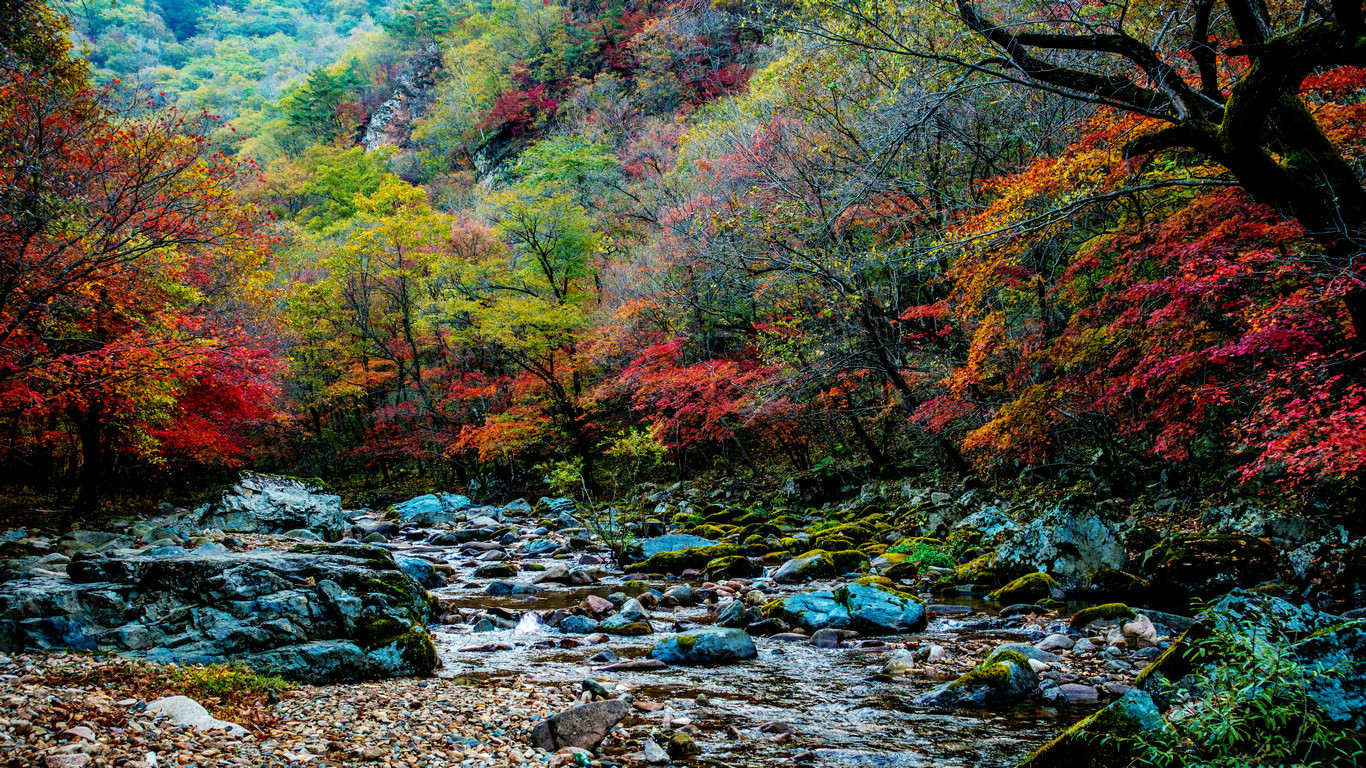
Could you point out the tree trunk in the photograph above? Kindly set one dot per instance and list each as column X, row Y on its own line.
column 92, row 460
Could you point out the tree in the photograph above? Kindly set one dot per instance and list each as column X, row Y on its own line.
column 1239, row 105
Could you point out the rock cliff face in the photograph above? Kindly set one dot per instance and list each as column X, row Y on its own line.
column 391, row 124
column 274, row 504
column 324, row 613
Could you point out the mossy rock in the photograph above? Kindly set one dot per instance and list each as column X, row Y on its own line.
column 849, row 561
column 1107, row 612
column 832, row 543
column 903, row 570
column 983, row 571
column 1205, row 566
column 873, row 550
column 713, row 532
column 793, row 545
column 377, row 557
column 961, row 540
column 854, row 532
column 1109, row 582
column 776, row 558
column 732, row 567
column 876, row 581
column 816, row 564
column 762, row 530
column 1101, row 740
column 631, row 629
column 1029, row 588
column 685, row 559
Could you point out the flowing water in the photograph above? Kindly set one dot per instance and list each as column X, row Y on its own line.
column 838, row 713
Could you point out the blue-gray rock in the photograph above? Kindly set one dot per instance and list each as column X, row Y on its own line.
column 584, row 726
column 503, row 588
column 420, row 570
column 577, row 625
column 734, row 614
column 867, row 609
column 705, row 646
column 673, row 543
column 1029, row 652
column 273, row 504
column 1071, row 545
column 432, row 509
column 322, row 613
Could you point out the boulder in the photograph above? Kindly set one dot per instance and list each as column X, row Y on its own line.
column 182, row 710
column 993, row 525
column 869, row 609
column 673, row 543
column 681, row 560
column 275, row 504
column 1207, row 566
column 1004, row 677
column 584, row 726
column 1099, row 740
column 322, row 613
column 420, row 570
column 1029, row 588
column 807, row 567
column 733, row 567
column 432, row 509
column 705, row 646
column 1068, row 544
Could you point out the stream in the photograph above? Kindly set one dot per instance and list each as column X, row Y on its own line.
column 837, row 714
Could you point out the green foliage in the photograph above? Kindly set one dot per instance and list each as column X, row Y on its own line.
column 1250, row 706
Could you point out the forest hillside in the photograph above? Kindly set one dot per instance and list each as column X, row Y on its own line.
column 718, row 382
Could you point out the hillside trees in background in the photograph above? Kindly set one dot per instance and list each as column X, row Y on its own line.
column 127, row 284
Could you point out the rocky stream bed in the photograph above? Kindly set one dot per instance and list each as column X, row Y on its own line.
column 498, row 618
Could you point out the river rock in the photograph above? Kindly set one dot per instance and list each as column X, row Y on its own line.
column 577, row 625
column 322, row 613
column 1004, row 677
column 1068, row 544
column 584, row 726
column 420, row 570
column 182, row 710
column 705, row 646
column 812, row 565
column 432, row 509
column 274, row 504
column 673, row 543
column 869, row 609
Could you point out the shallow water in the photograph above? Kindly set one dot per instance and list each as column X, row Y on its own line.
column 839, row 715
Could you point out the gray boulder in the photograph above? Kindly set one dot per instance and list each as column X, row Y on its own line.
column 432, row 509
column 274, row 504
column 1069, row 545
column 705, row 646
column 322, row 613
column 584, row 726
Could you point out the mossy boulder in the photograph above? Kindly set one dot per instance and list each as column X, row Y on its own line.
column 1100, row 741
column 625, row 626
column 1029, row 588
column 713, row 532
column 817, row 564
column 732, row 567
column 857, row 533
column 685, row 559
column 849, row 561
column 1110, row 612
column 1206, row 566
column 1117, row 584
column 880, row 581
column 1004, row 677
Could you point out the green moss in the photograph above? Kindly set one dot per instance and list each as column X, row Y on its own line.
column 1026, row 589
column 734, row 566
column 996, row 676
column 849, row 560
column 875, row 581
column 1005, row 655
column 684, row 559
column 634, row 629
column 1106, row 612
column 417, row 650
column 713, row 532
column 375, row 556
column 686, row 642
